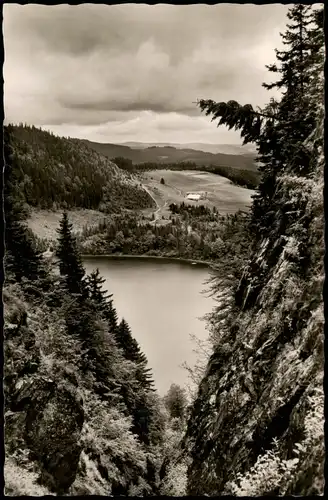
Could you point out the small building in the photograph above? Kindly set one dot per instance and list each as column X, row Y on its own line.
column 193, row 197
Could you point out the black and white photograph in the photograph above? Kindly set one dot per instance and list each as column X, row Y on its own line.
column 163, row 199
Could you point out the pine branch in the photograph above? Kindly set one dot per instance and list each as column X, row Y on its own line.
column 247, row 108
column 233, row 115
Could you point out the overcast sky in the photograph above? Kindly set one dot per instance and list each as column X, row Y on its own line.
column 131, row 72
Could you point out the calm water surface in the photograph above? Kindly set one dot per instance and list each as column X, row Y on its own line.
column 162, row 302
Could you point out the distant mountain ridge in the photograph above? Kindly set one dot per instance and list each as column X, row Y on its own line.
column 171, row 154
column 234, row 149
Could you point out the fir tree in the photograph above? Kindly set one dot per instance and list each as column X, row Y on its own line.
column 294, row 120
column 70, row 263
column 280, row 129
column 132, row 352
column 111, row 316
column 142, row 417
column 102, row 300
column 127, row 342
column 316, row 57
column 99, row 296
column 281, row 147
column 22, row 258
column 137, row 403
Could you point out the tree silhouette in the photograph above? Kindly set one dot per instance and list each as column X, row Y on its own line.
column 132, row 352
column 22, row 258
column 70, row 262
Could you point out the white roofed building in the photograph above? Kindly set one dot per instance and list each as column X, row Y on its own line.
column 193, row 197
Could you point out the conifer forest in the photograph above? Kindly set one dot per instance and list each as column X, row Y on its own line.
column 82, row 411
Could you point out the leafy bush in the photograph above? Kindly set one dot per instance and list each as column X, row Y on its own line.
column 108, row 441
column 22, row 482
column 271, row 475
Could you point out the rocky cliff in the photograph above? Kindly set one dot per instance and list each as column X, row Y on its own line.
column 257, row 423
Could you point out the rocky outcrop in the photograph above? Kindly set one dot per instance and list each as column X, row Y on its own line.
column 257, row 423
column 48, row 417
column 54, row 419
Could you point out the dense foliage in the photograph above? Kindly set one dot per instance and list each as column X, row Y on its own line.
column 248, row 433
column 81, row 406
column 82, row 415
column 197, row 233
column 54, row 172
column 23, row 260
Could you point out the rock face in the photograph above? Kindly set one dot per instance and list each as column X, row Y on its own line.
column 260, row 403
column 51, row 419
column 53, row 424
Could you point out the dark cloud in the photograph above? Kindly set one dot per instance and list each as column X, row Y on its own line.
column 86, row 65
column 155, row 105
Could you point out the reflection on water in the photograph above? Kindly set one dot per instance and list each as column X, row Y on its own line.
column 162, row 302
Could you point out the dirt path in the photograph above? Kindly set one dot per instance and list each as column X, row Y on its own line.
column 156, row 213
column 147, row 190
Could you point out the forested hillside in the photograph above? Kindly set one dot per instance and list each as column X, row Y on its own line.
column 82, row 414
column 256, row 425
column 53, row 172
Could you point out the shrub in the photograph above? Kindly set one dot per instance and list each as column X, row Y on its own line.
column 21, row 482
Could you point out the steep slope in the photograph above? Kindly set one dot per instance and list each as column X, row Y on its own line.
column 54, row 172
column 61, row 435
column 80, row 417
column 257, row 424
column 81, row 414
column 264, row 380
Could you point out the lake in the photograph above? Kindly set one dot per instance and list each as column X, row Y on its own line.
column 162, row 302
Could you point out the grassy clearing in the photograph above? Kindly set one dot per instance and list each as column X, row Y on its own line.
column 44, row 223
column 221, row 193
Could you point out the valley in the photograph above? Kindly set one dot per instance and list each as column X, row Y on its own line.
column 163, row 310
column 221, row 193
